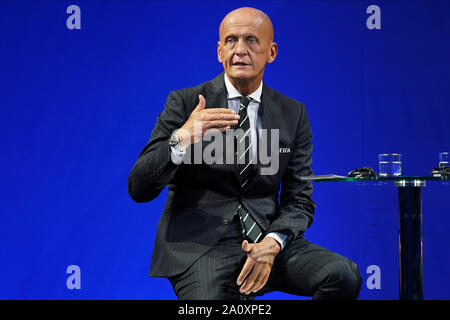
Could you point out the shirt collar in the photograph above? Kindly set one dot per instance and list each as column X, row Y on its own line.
column 234, row 93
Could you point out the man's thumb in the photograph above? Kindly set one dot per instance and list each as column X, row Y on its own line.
column 202, row 103
column 246, row 246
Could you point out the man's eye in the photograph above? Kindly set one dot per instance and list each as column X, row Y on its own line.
column 252, row 40
column 229, row 41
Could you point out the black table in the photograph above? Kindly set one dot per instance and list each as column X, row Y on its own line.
column 410, row 241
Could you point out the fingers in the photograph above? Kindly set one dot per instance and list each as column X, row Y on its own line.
column 223, row 129
column 209, row 124
column 255, row 280
column 248, row 266
column 250, row 281
column 256, row 277
column 220, row 116
column 218, row 120
column 259, row 282
column 219, row 110
column 248, row 263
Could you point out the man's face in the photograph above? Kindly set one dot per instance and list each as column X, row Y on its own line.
column 246, row 46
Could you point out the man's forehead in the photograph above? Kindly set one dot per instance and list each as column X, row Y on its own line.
column 253, row 27
column 241, row 29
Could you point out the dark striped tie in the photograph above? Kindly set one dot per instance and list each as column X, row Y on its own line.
column 250, row 228
column 244, row 144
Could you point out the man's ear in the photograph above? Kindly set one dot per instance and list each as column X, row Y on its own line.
column 273, row 52
column 219, row 50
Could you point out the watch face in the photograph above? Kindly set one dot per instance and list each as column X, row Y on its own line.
column 173, row 140
column 172, row 143
column 175, row 143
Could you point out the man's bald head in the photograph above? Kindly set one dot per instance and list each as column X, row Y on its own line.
column 245, row 14
column 245, row 47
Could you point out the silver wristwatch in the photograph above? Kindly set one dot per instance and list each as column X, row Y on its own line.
column 174, row 142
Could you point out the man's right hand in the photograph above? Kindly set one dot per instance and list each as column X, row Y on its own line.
column 203, row 119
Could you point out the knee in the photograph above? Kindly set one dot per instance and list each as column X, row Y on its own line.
column 353, row 281
column 344, row 279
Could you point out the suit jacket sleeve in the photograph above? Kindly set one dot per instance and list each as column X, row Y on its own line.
column 154, row 169
column 296, row 204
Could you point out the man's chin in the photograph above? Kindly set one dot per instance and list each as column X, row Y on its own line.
column 240, row 75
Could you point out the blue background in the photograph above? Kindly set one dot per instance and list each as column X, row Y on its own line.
column 79, row 105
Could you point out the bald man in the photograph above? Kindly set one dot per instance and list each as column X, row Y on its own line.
column 225, row 232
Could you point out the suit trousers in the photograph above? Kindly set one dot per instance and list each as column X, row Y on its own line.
column 301, row 268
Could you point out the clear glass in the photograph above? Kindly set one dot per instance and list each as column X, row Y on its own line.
column 443, row 159
column 390, row 164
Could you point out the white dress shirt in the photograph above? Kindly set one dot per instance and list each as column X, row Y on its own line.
column 233, row 100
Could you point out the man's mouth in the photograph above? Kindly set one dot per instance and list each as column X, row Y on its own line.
column 240, row 64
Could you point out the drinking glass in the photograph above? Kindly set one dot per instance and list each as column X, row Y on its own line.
column 443, row 159
column 390, row 164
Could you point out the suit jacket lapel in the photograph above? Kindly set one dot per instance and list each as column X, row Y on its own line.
column 270, row 112
column 216, row 93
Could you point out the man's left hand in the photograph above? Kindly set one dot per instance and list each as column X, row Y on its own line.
column 256, row 270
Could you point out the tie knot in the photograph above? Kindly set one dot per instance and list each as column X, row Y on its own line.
column 245, row 101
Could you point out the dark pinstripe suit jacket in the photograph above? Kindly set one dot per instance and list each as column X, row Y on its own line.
column 202, row 198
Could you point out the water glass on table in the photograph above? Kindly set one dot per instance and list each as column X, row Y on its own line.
column 390, row 164
column 443, row 159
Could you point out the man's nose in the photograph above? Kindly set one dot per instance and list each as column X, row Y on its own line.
column 241, row 47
